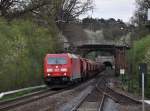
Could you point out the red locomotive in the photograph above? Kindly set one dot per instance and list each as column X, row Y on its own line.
column 62, row 68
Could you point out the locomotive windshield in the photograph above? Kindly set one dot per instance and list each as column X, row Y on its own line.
column 57, row 61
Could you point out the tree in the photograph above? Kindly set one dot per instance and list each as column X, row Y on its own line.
column 140, row 19
column 6, row 5
column 70, row 9
column 140, row 15
column 64, row 10
column 112, row 29
column 16, row 8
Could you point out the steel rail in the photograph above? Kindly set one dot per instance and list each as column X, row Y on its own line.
column 100, row 108
column 79, row 103
column 27, row 99
column 24, row 89
column 114, row 95
column 23, row 97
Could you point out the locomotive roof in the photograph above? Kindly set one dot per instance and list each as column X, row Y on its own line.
column 64, row 54
column 73, row 55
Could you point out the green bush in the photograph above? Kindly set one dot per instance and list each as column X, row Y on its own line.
column 23, row 45
column 138, row 54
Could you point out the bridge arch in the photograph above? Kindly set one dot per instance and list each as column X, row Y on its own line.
column 117, row 51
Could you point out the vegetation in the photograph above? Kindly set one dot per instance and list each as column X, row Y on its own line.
column 140, row 15
column 140, row 53
column 112, row 29
column 140, row 19
column 141, row 48
column 60, row 10
column 23, row 45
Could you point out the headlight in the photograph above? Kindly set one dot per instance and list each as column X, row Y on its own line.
column 49, row 70
column 65, row 74
column 64, row 69
column 49, row 74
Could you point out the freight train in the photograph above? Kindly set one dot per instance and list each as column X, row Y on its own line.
column 68, row 68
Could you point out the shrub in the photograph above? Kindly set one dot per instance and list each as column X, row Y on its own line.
column 140, row 53
column 23, row 45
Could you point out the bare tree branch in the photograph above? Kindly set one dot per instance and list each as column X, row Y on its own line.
column 28, row 8
column 73, row 8
column 60, row 10
column 13, row 8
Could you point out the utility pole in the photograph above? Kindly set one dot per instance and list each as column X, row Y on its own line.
column 143, row 73
column 148, row 19
column 143, row 82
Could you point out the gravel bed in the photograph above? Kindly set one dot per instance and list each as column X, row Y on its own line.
column 115, row 84
column 55, row 102
column 64, row 100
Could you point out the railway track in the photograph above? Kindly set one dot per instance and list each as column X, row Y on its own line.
column 109, row 93
column 103, row 86
column 95, row 99
column 7, row 105
column 91, row 102
column 35, row 97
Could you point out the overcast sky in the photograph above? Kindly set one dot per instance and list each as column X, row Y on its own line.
column 118, row 9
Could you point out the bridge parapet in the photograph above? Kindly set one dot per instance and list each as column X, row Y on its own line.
column 104, row 42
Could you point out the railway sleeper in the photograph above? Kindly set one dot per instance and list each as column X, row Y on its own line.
column 92, row 102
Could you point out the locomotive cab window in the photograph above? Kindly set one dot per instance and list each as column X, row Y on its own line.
column 57, row 61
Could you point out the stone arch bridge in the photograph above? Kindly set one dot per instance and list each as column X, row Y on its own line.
column 117, row 57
